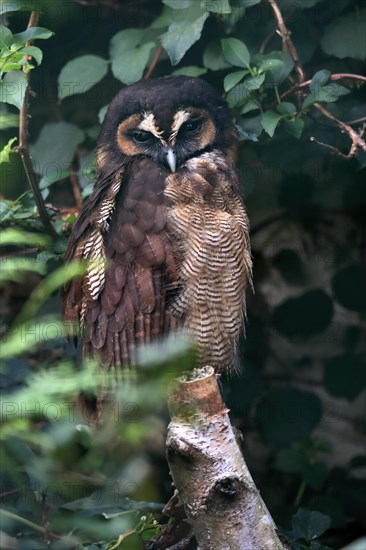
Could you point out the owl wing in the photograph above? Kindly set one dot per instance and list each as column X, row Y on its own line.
column 121, row 301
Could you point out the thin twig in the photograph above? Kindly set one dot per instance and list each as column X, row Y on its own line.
column 23, row 149
column 22, row 520
column 346, row 128
column 75, row 185
column 287, row 44
column 269, row 36
column 336, row 76
column 334, row 150
column 357, row 121
column 14, row 491
column 154, row 62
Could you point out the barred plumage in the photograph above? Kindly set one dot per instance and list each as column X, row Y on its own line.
column 165, row 228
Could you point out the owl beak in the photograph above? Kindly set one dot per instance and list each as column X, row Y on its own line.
column 171, row 159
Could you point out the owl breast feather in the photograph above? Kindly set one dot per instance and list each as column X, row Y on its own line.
column 208, row 227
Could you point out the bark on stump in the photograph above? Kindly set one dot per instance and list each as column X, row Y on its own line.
column 220, row 499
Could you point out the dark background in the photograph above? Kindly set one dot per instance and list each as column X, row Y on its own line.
column 300, row 398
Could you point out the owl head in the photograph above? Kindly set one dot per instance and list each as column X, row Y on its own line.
column 169, row 120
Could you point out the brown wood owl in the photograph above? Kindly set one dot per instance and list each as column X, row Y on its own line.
column 167, row 226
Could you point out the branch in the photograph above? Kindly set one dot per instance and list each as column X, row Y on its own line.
column 357, row 121
column 154, row 62
column 357, row 141
column 75, row 186
column 287, row 44
column 336, row 151
column 336, row 76
column 220, row 499
column 269, row 36
column 23, row 149
column 355, row 137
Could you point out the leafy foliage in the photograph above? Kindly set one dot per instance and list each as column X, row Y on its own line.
column 66, row 487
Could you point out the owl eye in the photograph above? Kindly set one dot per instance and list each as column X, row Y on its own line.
column 139, row 136
column 191, row 126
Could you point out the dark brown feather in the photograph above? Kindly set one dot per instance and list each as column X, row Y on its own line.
column 134, row 240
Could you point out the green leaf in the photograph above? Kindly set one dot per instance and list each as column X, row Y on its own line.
column 6, row 150
column 245, row 135
column 319, row 79
column 233, row 79
column 129, row 58
column 270, row 120
column 11, row 67
column 326, row 94
column 32, row 33
column 312, row 98
column 250, row 128
column 178, row 4
column 80, row 74
column 14, row 344
column 35, row 52
column 55, row 147
column 8, row 120
column 286, row 108
column 6, row 37
column 18, row 269
column 349, row 287
column 164, row 19
column 213, row 57
column 235, row 52
column 250, row 105
column 17, row 237
column 249, row 3
column 286, row 415
column 183, row 32
column 238, row 96
column 309, row 525
column 345, row 36
column 270, row 64
column 54, row 173
column 190, row 70
column 294, row 127
column 49, row 285
column 336, row 89
column 6, row 7
column 304, row 316
column 87, row 170
column 345, row 376
column 276, row 65
column 102, row 112
column 254, row 82
column 217, row 6
column 331, row 507
column 13, row 87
